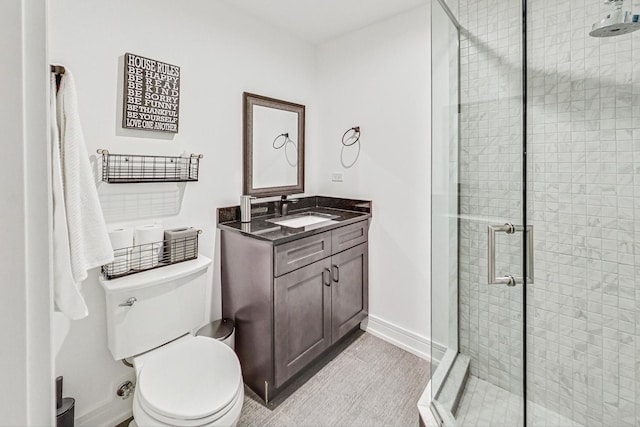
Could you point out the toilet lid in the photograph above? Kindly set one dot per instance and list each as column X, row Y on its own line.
column 194, row 379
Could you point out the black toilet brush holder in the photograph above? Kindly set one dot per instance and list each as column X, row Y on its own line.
column 64, row 407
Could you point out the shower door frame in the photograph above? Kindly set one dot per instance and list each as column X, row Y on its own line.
column 526, row 248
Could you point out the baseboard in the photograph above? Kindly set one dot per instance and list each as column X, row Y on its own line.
column 406, row 340
column 109, row 415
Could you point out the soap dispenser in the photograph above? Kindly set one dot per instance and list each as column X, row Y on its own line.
column 245, row 208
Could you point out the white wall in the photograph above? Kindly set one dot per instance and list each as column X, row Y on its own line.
column 221, row 53
column 378, row 78
column 25, row 358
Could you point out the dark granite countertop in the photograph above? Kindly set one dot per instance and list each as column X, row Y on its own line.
column 342, row 212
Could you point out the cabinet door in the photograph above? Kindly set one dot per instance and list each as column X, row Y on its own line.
column 302, row 317
column 349, row 290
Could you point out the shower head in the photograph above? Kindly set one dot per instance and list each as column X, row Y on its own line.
column 617, row 22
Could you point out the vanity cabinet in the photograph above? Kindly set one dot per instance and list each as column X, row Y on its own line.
column 293, row 301
column 317, row 305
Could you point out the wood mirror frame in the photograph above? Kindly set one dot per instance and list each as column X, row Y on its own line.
column 249, row 101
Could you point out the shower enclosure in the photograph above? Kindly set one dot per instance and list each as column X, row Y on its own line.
column 535, row 214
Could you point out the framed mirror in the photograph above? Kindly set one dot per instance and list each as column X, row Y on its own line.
column 273, row 151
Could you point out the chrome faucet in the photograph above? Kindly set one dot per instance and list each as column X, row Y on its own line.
column 281, row 207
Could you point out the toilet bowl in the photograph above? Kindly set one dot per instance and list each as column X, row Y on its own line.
column 193, row 381
column 181, row 379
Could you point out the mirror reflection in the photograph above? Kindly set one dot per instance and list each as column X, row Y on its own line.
column 274, row 149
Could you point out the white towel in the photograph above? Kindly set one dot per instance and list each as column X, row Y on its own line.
column 80, row 238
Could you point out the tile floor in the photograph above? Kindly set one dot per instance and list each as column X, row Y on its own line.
column 371, row 383
column 484, row 404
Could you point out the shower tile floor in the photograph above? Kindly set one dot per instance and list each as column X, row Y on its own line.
column 371, row 383
column 484, row 404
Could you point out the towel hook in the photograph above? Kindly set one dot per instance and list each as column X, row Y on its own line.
column 57, row 69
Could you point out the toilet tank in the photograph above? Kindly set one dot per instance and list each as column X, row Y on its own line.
column 169, row 302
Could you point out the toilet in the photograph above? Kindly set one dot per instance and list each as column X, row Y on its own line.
column 181, row 379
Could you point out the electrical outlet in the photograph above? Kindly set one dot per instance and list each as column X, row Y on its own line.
column 337, row 177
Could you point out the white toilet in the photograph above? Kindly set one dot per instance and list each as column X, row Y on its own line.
column 181, row 379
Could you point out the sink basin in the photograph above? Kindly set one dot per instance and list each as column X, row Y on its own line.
column 302, row 220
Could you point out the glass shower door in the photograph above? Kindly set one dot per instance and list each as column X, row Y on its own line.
column 492, row 231
column 478, row 212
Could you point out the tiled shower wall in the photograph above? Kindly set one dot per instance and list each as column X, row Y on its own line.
column 583, row 132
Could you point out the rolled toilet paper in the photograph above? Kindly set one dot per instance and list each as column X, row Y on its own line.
column 148, row 233
column 148, row 246
column 121, row 241
column 121, row 238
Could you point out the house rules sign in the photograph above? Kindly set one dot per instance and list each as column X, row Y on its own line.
column 151, row 94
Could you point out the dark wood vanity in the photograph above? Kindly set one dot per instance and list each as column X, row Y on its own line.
column 293, row 292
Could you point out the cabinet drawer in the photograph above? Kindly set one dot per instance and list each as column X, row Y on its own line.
column 293, row 255
column 349, row 236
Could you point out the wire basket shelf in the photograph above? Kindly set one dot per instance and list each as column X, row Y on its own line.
column 134, row 168
column 139, row 258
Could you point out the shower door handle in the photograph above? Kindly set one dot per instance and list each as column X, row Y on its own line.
column 508, row 280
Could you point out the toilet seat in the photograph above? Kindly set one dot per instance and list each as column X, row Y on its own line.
column 191, row 382
column 228, row 417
